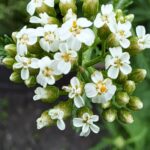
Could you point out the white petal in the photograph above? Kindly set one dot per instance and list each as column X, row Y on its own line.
column 94, row 128
column 35, row 63
column 85, row 128
column 85, row 134
column 24, row 73
column 75, row 82
column 83, row 22
column 90, row 90
column 125, row 43
column 31, row 8
column 125, row 57
column 44, row 45
column 140, row 31
column 94, row 118
column 86, row 36
column 98, row 21
column 97, row 76
column 35, row 19
column 113, row 72
column 63, row 47
column 79, row 102
column 108, row 61
column 126, row 69
column 60, row 124
column 22, row 49
column 51, row 80
column 74, row 44
column 77, row 122
column 116, row 51
column 17, row 65
column 49, row 3
column 64, row 67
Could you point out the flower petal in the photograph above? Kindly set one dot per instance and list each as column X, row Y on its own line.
column 97, row 76
column 126, row 69
column 77, row 122
column 90, row 90
column 113, row 72
column 24, row 73
column 78, row 101
column 94, row 128
column 60, row 124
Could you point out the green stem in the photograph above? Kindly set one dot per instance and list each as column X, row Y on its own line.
column 80, row 57
column 93, row 62
column 103, row 48
column 61, row 92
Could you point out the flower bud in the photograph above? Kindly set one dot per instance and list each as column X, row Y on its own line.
column 125, row 116
column 90, row 8
column 112, row 42
column 138, row 75
column 11, row 49
column 14, row 36
column 109, row 114
column 122, row 98
column 44, row 120
column 83, row 110
column 106, row 105
column 66, row 107
column 122, row 78
column 104, row 32
column 15, row 77
column 129, row 17
column 135, row 103
column 119, row 14
column 30, row 82
column 65, row 5
column 129, row 86
column 8, row 62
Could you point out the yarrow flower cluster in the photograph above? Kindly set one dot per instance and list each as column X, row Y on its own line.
column 90, row 54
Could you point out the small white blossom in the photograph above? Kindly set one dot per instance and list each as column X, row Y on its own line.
column 43, row 19
column 50, row 39
column 122, row 32
column 25, row 37
column 117, row 61
column 78, row 28
column 101, row 90
column 75, row 92
column 48, row 71
column 40, row 93
column 143, row 38
column 67, row 55
column 87, row 124
column 25, row 64
column 33, row 4
column 58, row 115
column 106, row 17
column 43, row 121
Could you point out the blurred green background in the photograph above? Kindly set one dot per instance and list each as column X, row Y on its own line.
column 128, row 137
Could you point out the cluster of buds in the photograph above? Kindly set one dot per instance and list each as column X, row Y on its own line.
column 95, row 48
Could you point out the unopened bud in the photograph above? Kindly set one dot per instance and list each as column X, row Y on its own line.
column 30, row 82
column 138, row 75
column 11, row 49
column 14, row 36
column 66, row 107
column 65, row 5
column 104, row 32
column 122, row 98
column 8, row 62
column 129, row 17
column 129, row 86
column 106, row 105
column 111, row 40
column 90, row 8
column 109, row 114
column 83, row 110
column 122, row 78
column 125, row 116
column 135, row 103
column 15, row 77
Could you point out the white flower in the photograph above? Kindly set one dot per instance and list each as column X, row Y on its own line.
column 75, row 92
column 117, row 61
column 122, row 33
column 25, row 37
column 43, row 121
column 40, row 93
column 86, row 122
column 67, row 55
column 57, row 114
column 48, row 71
column 101, row 90
column 50, row 39
column 143, row 38
column 33, row 4
column 106, row 17
column 78, row 28
column 43, row 19
column 25, row 64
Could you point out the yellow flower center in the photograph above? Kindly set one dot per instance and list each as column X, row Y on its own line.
column 66, row 57
column 48, row 72
column 118, row 62
column 49, row 36
column 101, row 87
column 24, row 39
column 75, row 29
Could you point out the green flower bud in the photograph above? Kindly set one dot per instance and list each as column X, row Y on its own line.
column 15, row 77
column 90, row 8
column 14, row 36
column 122, row 78
column 120, row 142
column 66, row 5
column 83, row 110
column 129, row 86
column 129, row 17
column 109, row 114
column 53, row 20
column 112, row 42
column 11, row 49
column 138, row 75
column 8, row 62
column 104, row 32
column 30, row 82
column 135, row 103
column 119, row 14
column 122, row 98
column 66, row 107
column 125, row 116
column 106, row 105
